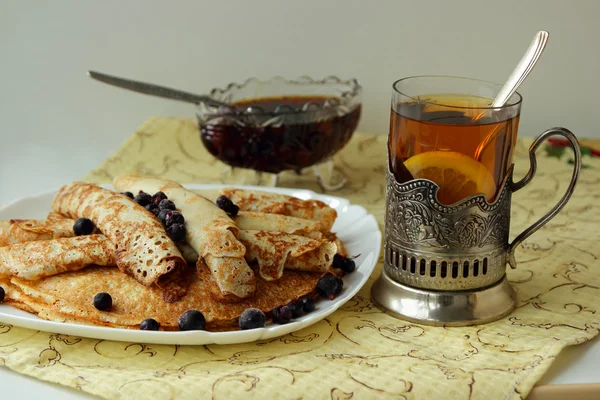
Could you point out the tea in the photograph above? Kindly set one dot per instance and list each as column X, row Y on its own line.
column 448, row 139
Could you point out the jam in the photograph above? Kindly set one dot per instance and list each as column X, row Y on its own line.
column 280, row 133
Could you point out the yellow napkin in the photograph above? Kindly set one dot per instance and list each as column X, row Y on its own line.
column 359, row 351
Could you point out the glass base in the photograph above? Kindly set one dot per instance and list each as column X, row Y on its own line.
column 325, row 175
column 444, row 308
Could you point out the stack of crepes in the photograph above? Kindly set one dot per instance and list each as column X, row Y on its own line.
column 272, row 252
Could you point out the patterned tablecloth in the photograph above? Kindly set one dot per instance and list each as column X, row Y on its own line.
column 359, row 351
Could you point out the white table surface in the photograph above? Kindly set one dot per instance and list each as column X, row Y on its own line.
column 24, row 173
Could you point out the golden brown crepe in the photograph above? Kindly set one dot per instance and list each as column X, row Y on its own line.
column 26, row 230
column 210, row 232
column 275, row 250
column 260, row 221
column 143, row 249
column 56, row 220
column 39, row 259
column 274, row 203
column 68, row 298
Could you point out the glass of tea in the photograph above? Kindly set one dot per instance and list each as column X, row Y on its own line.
column 282, row 125
column 443, row 129
column 448, row 200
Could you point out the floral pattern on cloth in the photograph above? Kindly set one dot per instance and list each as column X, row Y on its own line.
column 359, row 351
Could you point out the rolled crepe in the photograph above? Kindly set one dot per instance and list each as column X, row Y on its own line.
column 39, row 259
column 274, row 203
column 274, row 251
column 143, row 249
column 260, row 221
column 210, row 232
column 26, row 230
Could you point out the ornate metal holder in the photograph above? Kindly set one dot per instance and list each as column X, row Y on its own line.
column 446, row 265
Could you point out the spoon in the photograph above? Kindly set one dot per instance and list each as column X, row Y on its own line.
column 516, row 78
column 156, row 90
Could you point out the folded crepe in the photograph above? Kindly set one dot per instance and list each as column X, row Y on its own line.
column 274, row 203
column 274, row 251
column 68, row 298
column 39, row 259
column 26, row 230
column 260, row 221
column 143, row 249
column 210, row 232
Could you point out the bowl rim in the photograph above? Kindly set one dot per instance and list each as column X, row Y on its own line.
column 346, row 99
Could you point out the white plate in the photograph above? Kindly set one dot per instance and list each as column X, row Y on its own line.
column 357, row 229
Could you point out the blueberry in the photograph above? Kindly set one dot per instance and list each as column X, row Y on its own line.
column 174, row 217
column 162, row 216
column 166, row 204
column 143, row 199
column 329, row 286
column 296, row 308
column 128, row 194
column 281, row 315
column 158, row 197
column 338, row 261
column 176, row 232
column 191, row 320
column 83, row 226
column 225, row 204
column 252, row 318
column 308, row 304
column 153, row 208
column 349, row 265
column 149, row 325
column 2, row 294
column 103, row 301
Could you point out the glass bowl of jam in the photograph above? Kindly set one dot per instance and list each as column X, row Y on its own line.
column 280, row 125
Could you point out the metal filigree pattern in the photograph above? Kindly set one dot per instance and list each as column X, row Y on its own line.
column 430, row 245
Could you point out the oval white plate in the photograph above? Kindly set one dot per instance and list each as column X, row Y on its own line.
column 357, row 229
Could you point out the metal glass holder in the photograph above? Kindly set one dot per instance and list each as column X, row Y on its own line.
column 446, row 265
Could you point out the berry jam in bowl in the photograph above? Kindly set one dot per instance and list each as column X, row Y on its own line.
column 281, row 125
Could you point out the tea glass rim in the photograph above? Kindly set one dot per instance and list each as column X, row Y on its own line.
column 516, row 103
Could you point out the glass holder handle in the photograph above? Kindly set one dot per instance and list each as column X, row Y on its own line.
column 532, row 170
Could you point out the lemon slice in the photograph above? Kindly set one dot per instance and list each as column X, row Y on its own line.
column 458, row 176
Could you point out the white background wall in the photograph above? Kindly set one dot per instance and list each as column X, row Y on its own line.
column 51, row 112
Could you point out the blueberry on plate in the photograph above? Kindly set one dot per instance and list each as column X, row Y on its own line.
column 158, row 197
column 348, row 265
column 83, row 226
column 338, row 261
column 2, row 294
column 329, row 286
column 149, row 324
column 128, row 194
column 103, row 301
column 297, row 308
column 281, row 315
column 166, row 204
column 252, row 318
column 308, row 304
column 143, row 199
column 191, row 320
column 225, row 204
column 174, row 217
column 176, row 232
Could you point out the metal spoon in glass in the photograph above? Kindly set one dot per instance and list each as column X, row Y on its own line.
column 156, row 90
column 523, row 68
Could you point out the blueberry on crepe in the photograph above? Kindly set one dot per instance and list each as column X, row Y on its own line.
column 192, row 320
column 252, row 318
column 83, row 226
